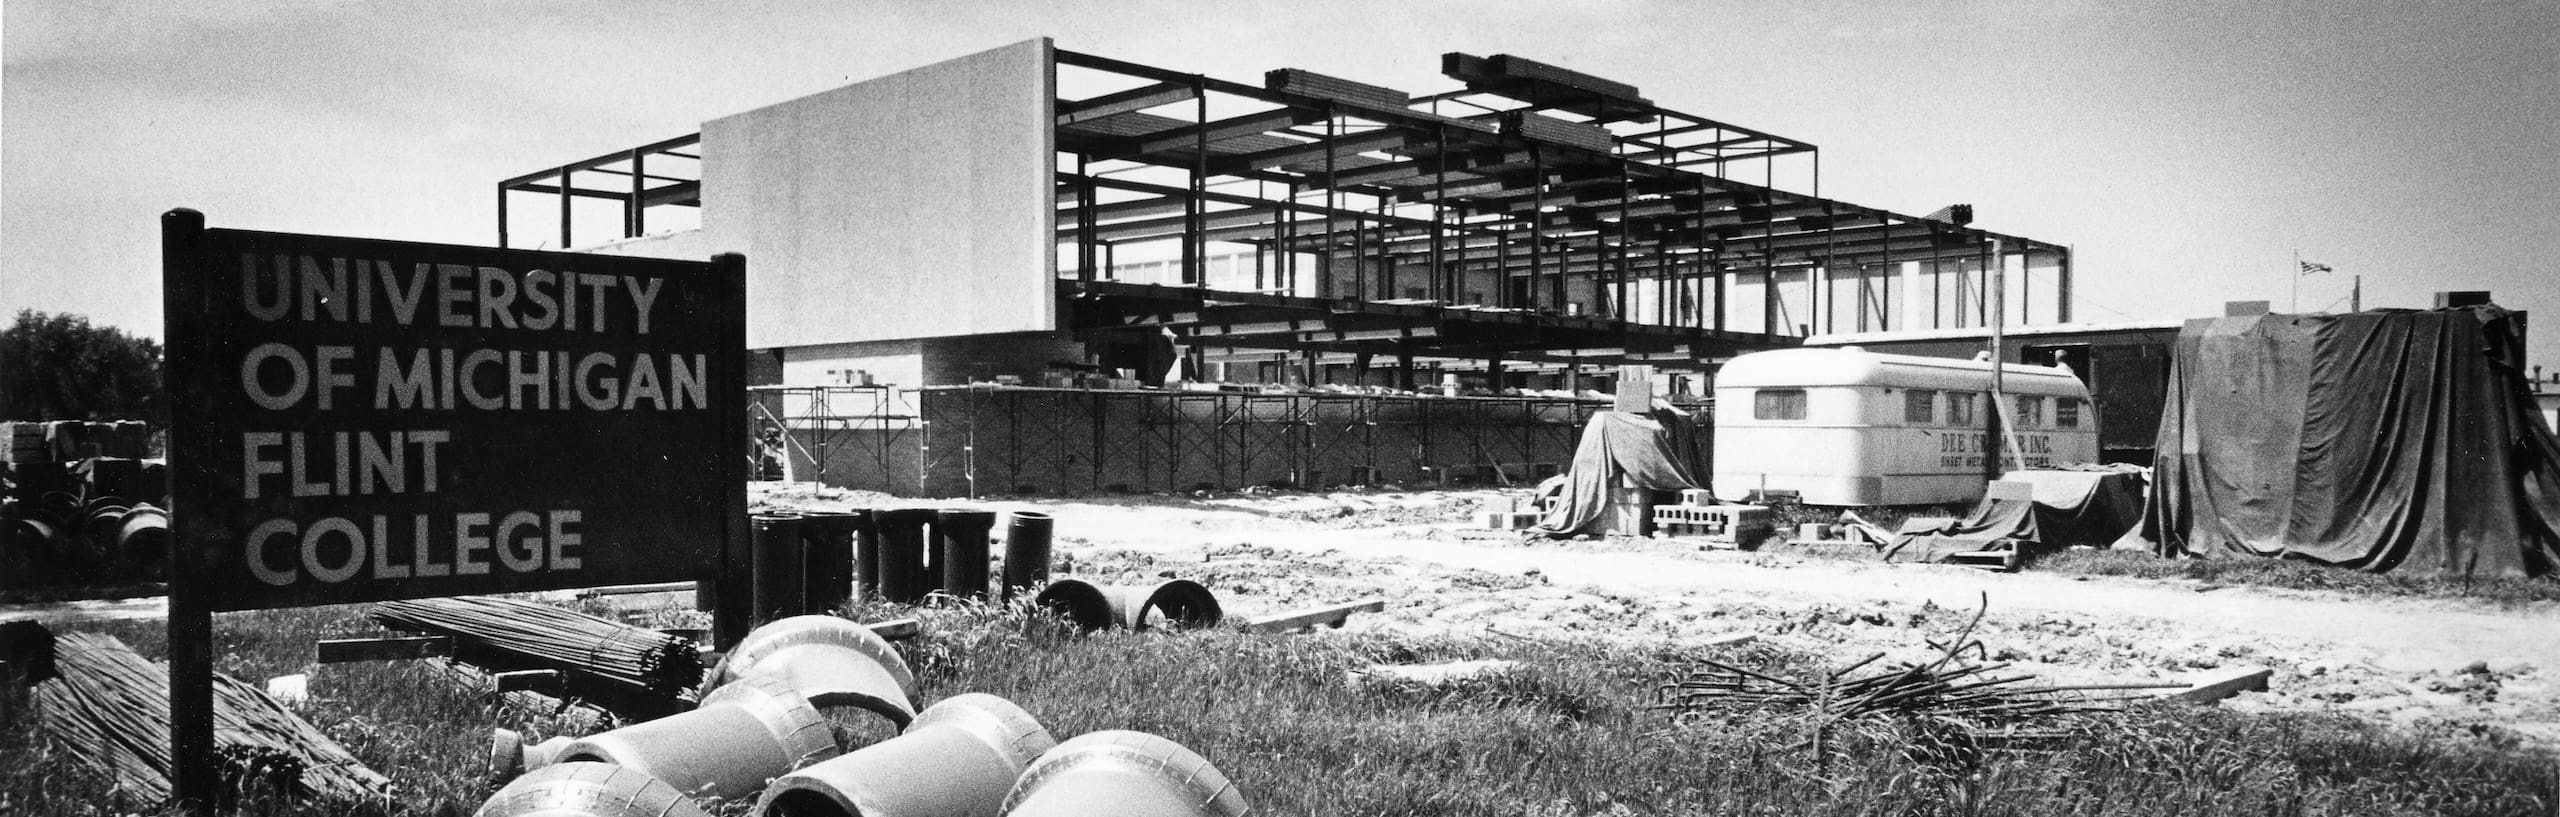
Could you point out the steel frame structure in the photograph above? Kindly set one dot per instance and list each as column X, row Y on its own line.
column 1612, row 229
column 666, row 173
column 1368, row 210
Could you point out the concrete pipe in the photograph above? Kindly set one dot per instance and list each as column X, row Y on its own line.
column 744, row 734
column 63, row 504
column 828, row 661
column 1182, row 603
column 902, row 547
column 866, row 555
column 773, row 547
column 589, row 790
column 826, row 558
column 958, row 760
column 961, row 550
column 27, row 546
column 144, row 539
column 98, row 530
column 510, row 758
column 1133, row 774
column 1026, row 552
column 1081, row 603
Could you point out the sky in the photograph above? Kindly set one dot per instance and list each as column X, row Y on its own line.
column 2188, row 152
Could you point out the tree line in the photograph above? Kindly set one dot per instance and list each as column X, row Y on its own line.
column 59, row 366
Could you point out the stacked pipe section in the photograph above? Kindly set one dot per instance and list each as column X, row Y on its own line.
column 958, row 759
column 589, row 789
column 1181, row 603
column 745, row 733
column 1132, row 774
column 828, row 661
column 1026, row 552
column 82, row 506
column 762, row 718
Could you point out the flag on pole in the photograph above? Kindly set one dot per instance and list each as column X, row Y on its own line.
column 2309, row 267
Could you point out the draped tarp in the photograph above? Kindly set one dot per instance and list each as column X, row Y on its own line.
column 2388, row 440
column 2057, row 508
column 1619, row 449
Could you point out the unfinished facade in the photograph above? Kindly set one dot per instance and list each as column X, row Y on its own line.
column 1047, row 218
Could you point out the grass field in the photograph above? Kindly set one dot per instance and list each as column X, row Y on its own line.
column 1571, row 734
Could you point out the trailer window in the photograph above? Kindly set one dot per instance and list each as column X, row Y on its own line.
column 2030, row 411
column 2066, row 412
column 1920, row 406
column 1777, row 404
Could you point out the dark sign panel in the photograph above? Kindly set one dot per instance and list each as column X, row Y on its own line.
column 363, row 420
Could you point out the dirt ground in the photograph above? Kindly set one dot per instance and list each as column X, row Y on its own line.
column 2426, row 663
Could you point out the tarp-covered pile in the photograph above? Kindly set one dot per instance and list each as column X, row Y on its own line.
column 2048, row 509
column 2382, row 441
column 1652, row 451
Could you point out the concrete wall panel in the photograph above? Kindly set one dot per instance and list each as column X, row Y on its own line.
column 913, row 205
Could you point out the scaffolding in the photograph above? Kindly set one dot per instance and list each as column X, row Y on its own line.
column 836, row 431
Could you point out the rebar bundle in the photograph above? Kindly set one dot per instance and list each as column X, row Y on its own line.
column 109, row 707
column 506, row 634
column 1950, row 688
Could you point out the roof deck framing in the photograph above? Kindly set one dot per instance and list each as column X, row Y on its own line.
column 1550, row 181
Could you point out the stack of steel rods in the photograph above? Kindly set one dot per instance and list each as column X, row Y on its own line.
column 506, row 634
column 1949, row 687
column 109, row 707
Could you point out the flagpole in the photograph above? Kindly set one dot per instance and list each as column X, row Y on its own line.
column 2295, row 305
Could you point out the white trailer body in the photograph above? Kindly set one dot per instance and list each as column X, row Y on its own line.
column 1850, row 427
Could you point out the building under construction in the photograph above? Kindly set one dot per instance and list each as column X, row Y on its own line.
column 1160, row 280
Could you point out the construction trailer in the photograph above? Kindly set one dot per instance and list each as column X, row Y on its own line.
column 2124, row 364
column 1028, row 212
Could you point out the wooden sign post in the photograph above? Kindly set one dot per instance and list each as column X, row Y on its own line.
column 357, row 420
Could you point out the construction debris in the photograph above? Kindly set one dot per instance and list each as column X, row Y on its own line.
column 626, row 669
column 109, row 707
column 1332, row 615
column 1954, row 690
column 1431, row 674
column 2222, row 685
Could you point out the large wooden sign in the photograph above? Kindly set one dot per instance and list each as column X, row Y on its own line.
column 360, row 420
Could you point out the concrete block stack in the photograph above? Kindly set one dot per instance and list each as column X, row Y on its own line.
column 1740, row 527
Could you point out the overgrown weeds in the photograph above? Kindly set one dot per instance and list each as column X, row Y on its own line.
column 1567, row 733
